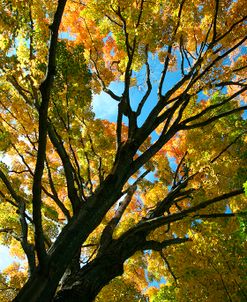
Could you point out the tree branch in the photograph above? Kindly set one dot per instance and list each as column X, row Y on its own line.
column 10, row 188
column 45, row 90
column 177, row 170
column 226, row 148
column 230, row 29
column 168, row 266
column 54, row 194
column 27, row 247
column 149, row 85
column 148, row 225
column 169, row 51
column 217, row 59
column 107, row 233
column 68, row 168
column 215, row 20
column 158, row 246
column 212, row 119
column 11, row 232
column 214, row 106
column 220, row 215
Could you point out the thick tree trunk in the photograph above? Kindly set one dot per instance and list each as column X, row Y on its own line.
column 38, row 288
column 85, row 285
column 41, row 287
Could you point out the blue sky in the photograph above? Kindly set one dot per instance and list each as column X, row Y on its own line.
column 106, row 108
column 5, row 258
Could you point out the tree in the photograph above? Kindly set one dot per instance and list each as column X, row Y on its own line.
column 84, row 199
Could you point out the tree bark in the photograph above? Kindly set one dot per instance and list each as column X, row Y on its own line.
column 41, row 287
column 86, row 284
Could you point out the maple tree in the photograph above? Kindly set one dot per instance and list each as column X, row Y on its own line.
column 158, row 193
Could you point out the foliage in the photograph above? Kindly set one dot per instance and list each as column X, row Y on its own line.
column 119, row 290
column 99, row 209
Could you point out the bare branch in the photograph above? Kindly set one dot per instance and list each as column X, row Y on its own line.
column 140, row 14
column 27, row 217
column 89, row 180
column 182, row 56
column 101, row 174
column 27, row 247
column 124, row 106
column 77, row 170
column 222, row 281
column 185, row 51
column 22, row 91
column 231, row 83
column 166, row 133
column 23, row 160
column 154, row 119
column 240, row 68
column 171, row 198
column 113, row 21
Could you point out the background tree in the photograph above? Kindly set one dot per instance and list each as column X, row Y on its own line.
column 157, row 193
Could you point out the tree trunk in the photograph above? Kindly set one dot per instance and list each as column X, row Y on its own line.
column 85, row 285
column 41, row 287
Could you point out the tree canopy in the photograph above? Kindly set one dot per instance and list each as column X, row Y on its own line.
column 104, row 209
